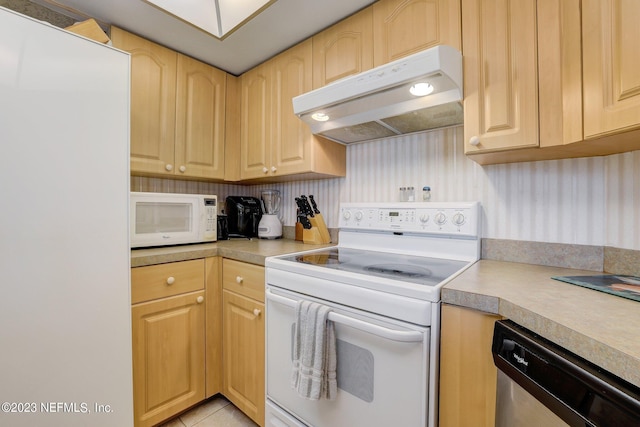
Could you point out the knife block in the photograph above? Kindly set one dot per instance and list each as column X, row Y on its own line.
column 312, row 236
column 299, row 231
column 318, row 222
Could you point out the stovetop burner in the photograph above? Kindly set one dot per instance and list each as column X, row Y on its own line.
column 399, row 270
column 422, row 270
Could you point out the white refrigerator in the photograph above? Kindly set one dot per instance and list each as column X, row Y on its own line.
column 65, row 318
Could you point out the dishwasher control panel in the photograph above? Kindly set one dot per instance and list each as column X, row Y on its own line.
column 413, row 217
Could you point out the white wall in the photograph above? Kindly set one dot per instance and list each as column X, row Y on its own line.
column 589, row 201
column 622, row 183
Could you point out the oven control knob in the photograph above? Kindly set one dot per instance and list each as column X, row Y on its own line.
column 424, row 218
column 359, row 216
column 440, row 218
column 459, row 219
column 346, row 215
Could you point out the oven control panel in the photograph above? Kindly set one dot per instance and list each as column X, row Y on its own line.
column 429, row 217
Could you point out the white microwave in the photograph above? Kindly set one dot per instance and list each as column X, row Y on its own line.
column 162, row 219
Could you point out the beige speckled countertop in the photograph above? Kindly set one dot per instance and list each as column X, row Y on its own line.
column 253, row 251
column 602, row 328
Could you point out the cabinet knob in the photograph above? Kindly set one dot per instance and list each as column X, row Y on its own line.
column 239, row 279
column 256, row 312
column 474, row 140
column 171, row 280
column 183, row 169
column 265, row 170
column 169, row 167
column 200, row 299
column 273, row 169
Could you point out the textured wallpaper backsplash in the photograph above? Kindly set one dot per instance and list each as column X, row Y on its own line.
column 589, row 201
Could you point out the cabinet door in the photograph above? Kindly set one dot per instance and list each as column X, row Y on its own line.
column 611, row 57
column 153, row 103
column 403, row 27
column 291, row 137
column 500, row 74
column 467, row 373
column 559, row 72
column 200, row 119
column 168, row 356
column 243, row 343
column 344, row 49
column 255, row 122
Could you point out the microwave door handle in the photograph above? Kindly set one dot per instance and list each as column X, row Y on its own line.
column 380, row 331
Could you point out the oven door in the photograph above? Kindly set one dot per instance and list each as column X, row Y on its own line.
column 382, row 368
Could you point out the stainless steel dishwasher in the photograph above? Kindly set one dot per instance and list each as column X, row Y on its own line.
column 543, row 384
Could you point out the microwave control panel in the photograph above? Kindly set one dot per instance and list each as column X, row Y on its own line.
column 211, row 217
column 412, row 217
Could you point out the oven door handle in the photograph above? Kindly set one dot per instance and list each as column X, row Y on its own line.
column 381, row 331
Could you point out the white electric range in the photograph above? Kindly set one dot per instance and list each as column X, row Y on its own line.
column 382, row 282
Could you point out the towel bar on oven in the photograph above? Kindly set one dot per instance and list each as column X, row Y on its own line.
column 381, row 331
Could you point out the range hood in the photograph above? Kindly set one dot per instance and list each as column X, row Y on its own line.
column 378, row 104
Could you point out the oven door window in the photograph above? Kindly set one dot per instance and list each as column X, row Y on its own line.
column 380, row 381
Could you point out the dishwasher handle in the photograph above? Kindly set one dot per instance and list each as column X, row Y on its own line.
column 380, row 331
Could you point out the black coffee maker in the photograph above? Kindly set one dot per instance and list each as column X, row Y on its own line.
column 243, row 215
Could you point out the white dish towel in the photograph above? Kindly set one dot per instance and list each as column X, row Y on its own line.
column 314, row 352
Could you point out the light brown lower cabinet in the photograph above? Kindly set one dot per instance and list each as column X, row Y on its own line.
column 176, row 321
column 198, row 329
column 467, row 373
column 243, row 337
column 168, row 356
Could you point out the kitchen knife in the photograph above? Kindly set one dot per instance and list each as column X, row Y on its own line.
column 313, row 203
column 308, row 208
column 322, row 226
column 306, row 224
column 302, row 214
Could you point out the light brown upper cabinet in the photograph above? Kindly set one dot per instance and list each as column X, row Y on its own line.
column 200, row 119
column 500, row 74
column 177, row 111
column 611, row 56
column 344, row 49
column 550, row 79
column 153, row 102
column 255, row 122
column 403, row 27
column 275, row 143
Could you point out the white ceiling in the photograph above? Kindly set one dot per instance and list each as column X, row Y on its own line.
column 280, row 26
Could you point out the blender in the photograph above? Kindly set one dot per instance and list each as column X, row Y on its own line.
column 270, row 226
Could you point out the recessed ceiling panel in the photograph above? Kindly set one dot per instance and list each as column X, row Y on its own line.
column 235, row 12
column 201, row 13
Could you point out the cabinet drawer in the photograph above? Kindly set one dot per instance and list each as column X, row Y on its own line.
column 244, row 279
column 164, row 280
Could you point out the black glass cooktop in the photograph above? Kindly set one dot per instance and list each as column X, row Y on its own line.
column 415, row 269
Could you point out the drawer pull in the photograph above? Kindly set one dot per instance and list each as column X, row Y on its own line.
column 200, row 299
column 239, row 279
column 256, row 312
column 171, row 280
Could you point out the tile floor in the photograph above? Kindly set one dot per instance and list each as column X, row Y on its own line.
column 215, row 412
